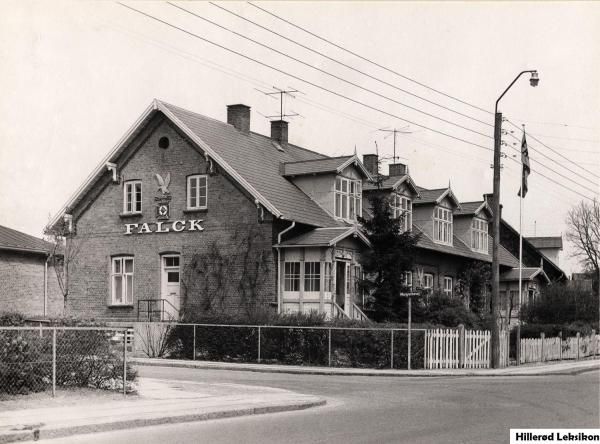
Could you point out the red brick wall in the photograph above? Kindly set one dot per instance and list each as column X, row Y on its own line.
column 22, row 285
column 100, row 230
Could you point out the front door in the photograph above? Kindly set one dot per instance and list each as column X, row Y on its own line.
column 340, row 283
column 170, row 287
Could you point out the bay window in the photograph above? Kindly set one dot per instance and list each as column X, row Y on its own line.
column 348, row 198
column 291, row 276
column 479, row 235
column 122, row 280
column 312, row 276
column 442, row 226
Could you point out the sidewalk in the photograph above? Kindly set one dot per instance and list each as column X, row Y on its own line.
column 157, row 402
column 562, row 368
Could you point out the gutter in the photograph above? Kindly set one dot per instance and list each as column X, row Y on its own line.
column 279, row 295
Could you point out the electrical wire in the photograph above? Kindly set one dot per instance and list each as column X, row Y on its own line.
column 323, row 71
column 369, row 60
column 349, row 66
column 308, row 82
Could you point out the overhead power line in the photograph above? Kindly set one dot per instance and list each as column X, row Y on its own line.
column 323, row 71
column 369, row 60
column 308, row 82
column 371, row 76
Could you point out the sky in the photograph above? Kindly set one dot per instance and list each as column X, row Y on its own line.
column 76, row 75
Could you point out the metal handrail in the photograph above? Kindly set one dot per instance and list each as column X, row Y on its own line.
column 364, row 317
column 340, row 310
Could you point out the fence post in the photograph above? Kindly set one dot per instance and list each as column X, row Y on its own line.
column 561, row 344
column 53, row 362
column 593, row 338
column 329, row 351
column 578, row 345
column 392, row 348
column 194, row 345
column 259, row 344
column 543, row 336
column 461, row 346
column 125, row 363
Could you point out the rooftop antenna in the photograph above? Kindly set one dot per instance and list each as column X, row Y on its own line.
column 394, row 132
column 282, row 93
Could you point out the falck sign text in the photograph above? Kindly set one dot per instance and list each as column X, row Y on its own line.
column 163, row 213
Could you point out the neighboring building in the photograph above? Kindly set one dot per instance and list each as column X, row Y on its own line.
column 549, row 246
column 28, row 284
column 190, row 214
column 582, row 281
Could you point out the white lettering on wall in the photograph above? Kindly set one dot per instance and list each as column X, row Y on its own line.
column 177, row 226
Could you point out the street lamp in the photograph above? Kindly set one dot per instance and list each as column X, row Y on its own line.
column 533, row 81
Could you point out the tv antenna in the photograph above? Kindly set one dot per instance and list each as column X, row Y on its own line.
column 289, row 91
column 394, row 132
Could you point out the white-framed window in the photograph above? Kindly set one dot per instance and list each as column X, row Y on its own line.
column 347, row 198
column 427, row 281
column 291, row 276
column 448, row 285
column 121, row 277
column 312, row 276
column 407, row 279
column 442, row 225
column 197, row 192
column 479, row 235
column 328, row 277
column 402, row 205
column 132, row 197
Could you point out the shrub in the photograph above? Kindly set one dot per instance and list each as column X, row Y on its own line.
column 559, row 304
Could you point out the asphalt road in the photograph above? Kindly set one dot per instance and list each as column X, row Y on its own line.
column 384, row 409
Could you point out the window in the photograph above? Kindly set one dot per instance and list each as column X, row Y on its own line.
column 291, row 276
column 348, row 198
column 312, row 276
column 132, row 197
column 442, row 225
column 172, row 269
column 448, row 285
column 479, row 235
column 197, row 189
column 427, row 281
column 407, row 279
column 402, row 205
column 357, row 277
column 122, row 281
column 328, row 277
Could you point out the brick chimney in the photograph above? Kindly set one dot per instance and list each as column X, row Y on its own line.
column 239, row 117
column 371, row 163
column 279, row 131
column 397, row 169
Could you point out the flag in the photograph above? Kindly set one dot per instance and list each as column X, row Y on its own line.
column 526, row 169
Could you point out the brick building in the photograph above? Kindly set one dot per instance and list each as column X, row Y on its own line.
column 28, row 284
column 188, row 214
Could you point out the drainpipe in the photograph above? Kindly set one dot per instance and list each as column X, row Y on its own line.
column 279, row 295
column 46, row 285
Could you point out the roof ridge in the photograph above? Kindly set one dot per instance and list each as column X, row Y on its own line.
column 318, row 160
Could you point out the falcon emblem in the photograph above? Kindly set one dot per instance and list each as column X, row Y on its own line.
column 163, row 184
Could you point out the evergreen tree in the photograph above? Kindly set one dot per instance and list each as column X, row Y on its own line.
column 391, row 255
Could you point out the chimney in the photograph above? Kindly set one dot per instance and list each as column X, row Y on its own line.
column 371, row 163
column 279, row 131
column 397, row 169
column 489, row 198
column 239, row 117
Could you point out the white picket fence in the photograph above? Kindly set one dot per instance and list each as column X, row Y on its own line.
column 459, row 348
column 553, row 349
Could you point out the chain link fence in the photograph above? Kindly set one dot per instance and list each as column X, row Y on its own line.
column 392, row 348
column 35, row 359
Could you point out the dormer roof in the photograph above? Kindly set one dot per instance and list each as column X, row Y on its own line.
column 323, row 166
column 324, row 237
column 436, row 196
column 473, row 208
column 392, row 183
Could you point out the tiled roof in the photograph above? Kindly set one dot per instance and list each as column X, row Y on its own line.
column 322, row 237
column 459, row 248
column 387, row 182
column 528, row 274
column 546, row 242
column 468, row 208
column 429, row 196
column 15, row 240
column 314, row 166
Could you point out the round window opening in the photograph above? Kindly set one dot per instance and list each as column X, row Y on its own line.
column 163, row 142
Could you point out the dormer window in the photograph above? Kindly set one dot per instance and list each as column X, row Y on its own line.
column 442, row 226
column 479, row 235
column 348, row 198
column 132, row 197
column 402, row 206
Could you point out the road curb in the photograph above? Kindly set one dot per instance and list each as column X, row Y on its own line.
column 594, row 365
column 61, row 432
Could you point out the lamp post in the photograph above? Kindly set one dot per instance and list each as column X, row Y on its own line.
column 534, row 80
